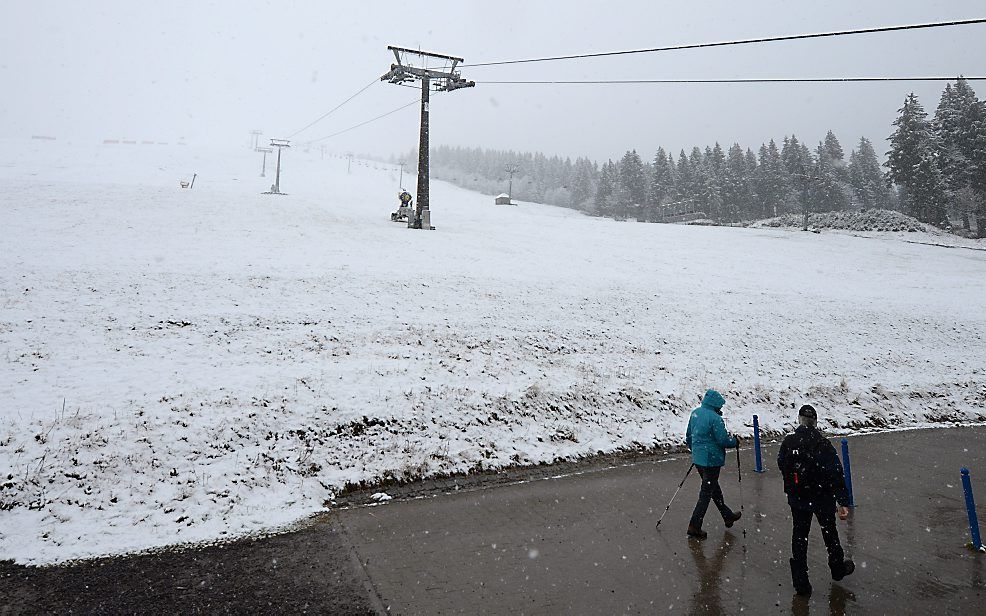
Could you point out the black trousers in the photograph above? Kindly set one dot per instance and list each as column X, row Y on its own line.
column 799, row 537
column 710, row 491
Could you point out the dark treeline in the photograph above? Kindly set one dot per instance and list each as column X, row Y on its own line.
column 935, row 172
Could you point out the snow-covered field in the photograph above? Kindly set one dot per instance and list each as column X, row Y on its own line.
column 186, row 365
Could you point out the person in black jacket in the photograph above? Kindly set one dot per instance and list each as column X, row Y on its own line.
column 814, row 483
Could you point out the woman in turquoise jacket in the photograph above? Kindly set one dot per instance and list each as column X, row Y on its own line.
column 707, row 439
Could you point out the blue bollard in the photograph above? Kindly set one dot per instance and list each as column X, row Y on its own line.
column 756, row 444
column 970, row 505
column 847, row 469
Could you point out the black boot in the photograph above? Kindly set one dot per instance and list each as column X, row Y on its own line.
column 732, row 519
column 696, row 533
column 843, row 569
column 799, row 575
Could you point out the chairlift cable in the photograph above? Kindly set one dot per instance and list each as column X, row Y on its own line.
column 769, row 39
column 736, row 80
column 330, row 111
column 379, row 117
column 730, row 80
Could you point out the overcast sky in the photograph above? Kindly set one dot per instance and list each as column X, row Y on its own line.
column 211, row 71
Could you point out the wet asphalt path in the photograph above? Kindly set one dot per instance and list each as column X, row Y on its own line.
column 587, row 544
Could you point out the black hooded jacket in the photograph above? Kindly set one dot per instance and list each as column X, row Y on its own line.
column 813, row 477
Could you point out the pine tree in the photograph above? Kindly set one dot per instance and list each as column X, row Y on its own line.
column 583, row 183
column 801, row 168
column 956, row 145
column 706, row 192
column 771, row 179
column 832, row 190
column 911, row 163
column 975, row 127
column 866, row 178
column 604, row 190
column 791, row 155
column 633, row 185
column 833, row 149
column 685, row 183
column 735, row 193
column 661, row 185
column 837, row 160
column 717, row 161
column 753, row 207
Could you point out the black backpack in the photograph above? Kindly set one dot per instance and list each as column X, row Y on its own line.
column 804, row 477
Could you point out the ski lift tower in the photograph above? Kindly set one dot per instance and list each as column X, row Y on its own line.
column 446, row 79
column 263, row 168
column 511, row 169
column 280, row 144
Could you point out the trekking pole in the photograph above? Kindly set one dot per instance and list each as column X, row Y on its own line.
column 688, row 472
column 739, row 476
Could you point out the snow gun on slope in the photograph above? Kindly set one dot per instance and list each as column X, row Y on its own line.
column 404, row 209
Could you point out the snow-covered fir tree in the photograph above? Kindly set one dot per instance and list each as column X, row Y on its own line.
column 866, row 177
column 735, row 195
column 956, row 142
column 717, row 161
column 632, row 185
column 773, row 186
column 685, row 184
column 975, row 124
column 753, row 198
column 661, row 185
column 583, row 185
column 832, row 191
column 912, row 164
column 708, row 191
column 604, row 190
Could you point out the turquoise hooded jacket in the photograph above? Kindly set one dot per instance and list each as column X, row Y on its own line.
column 707, row 437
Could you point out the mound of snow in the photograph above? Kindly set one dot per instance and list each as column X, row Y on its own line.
column 862, row 220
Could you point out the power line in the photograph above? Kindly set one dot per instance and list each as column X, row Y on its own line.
column 330, row 111
column 738, row 80
column 384, row 115
column 771, row 39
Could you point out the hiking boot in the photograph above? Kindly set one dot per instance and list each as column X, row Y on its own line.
column 848, row 566
column 799, row 575
column 730, row 520
column 696, row 533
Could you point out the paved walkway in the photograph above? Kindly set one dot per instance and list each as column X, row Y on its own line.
column 587, row 544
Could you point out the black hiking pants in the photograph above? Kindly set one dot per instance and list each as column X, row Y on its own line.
column 710, row 491
column 799, row 539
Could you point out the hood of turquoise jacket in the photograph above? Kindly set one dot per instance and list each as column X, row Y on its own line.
column 706, row 436
column 713, row 399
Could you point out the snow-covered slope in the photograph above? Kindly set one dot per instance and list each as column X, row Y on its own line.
column 183, row 365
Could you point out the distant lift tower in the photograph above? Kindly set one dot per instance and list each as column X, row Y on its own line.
column 511, row 169
column 280, row 144
column 263, row 168
column 446, row 80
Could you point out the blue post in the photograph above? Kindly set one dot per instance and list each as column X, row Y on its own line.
column 756, row 443
column 847, row 469
column 970, row 504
